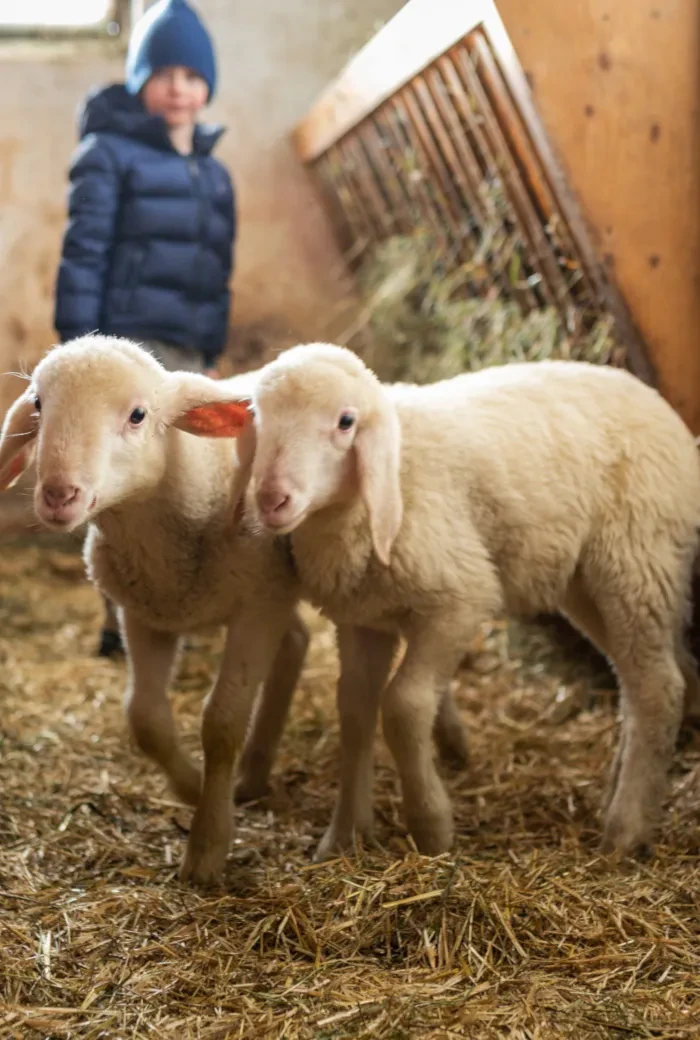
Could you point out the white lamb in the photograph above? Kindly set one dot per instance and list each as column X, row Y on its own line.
column 169, row 542
column 426, row 510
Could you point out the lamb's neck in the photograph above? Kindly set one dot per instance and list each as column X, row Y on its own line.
column 333, row 550
column 197, row 487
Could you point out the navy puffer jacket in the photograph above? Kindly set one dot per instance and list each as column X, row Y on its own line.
column 148, row 250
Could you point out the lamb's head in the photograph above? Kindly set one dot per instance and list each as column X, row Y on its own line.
column 97, row 413
column 326, row 432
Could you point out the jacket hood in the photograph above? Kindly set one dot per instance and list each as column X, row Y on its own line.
column 114, row 110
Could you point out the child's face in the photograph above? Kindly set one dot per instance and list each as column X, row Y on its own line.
column 175, row 93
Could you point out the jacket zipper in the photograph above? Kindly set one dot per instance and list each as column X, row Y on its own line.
column 197, row 178
column 197, row 181
column 133, row 273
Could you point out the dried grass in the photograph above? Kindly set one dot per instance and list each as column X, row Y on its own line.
column 420, row 321
column 521, row 932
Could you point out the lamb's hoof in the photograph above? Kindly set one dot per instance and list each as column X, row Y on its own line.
column 689, row 734
column 622, row 840
column 203, row 868
column 207, row 847
column 328, row 848
column 110, row 644
column 188, row 787
column 432, row 836
column 251, row 791
column 337, row 843
column 640, row 851
column 454, row 752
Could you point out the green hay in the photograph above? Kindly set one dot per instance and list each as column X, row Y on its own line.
column 417, row 322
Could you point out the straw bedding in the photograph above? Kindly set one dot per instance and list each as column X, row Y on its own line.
column 522, row 931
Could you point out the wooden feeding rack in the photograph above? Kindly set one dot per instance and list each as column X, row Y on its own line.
column 432, row 126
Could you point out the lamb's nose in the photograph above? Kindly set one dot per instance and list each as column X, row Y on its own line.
column 57, row 495
column 272, row 501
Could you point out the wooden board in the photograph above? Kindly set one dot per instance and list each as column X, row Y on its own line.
column 617, row 84
column 420, row 32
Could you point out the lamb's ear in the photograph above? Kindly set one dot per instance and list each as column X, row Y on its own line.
column 378, row 447
column 225, row 419
column 216, row 419
column 17, row 438
column 208, row 408
column 199, row 407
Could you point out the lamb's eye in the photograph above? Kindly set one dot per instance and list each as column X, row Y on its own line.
column 346, row 421
column 137, row 416
column 37, row 403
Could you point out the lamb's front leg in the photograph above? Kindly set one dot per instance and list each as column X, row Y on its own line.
column 251, row 645
column 409, row 710
column 151, row 657
column 366, row 658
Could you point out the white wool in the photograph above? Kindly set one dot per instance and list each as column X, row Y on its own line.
column 529, row 487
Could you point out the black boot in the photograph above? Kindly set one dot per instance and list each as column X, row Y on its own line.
column 110, row 644
column 110, row 640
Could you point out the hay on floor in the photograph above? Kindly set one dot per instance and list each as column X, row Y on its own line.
column 521, row 931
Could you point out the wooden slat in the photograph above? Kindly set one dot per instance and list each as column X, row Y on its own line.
column 349, row 198
column 442, row 193
column 523, row 149
column 350, row 237
column 368, row 186
column 380, row 155
column 475, row 120
column 463, row 203
column 553, row 285
column 460, row 158
column 432, row 127
column 419, row 33
column 404, row 138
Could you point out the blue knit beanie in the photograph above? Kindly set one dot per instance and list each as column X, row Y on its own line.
column 170, row 33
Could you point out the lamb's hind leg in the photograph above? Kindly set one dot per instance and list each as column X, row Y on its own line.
column 582, row 611
column 643, row 622
column 271, row 713
column 449, row 731
column 691, row 699
column 584, row 614
column 151, row 658
column 652, row 696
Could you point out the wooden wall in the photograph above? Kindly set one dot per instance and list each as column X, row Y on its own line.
column 617, row 83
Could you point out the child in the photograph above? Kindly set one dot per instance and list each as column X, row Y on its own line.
column 148, row 251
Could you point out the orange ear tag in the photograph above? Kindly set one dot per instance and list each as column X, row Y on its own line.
column 13, row 472
column 218, row 419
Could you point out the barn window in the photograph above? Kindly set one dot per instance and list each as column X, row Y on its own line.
column 66, row 18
